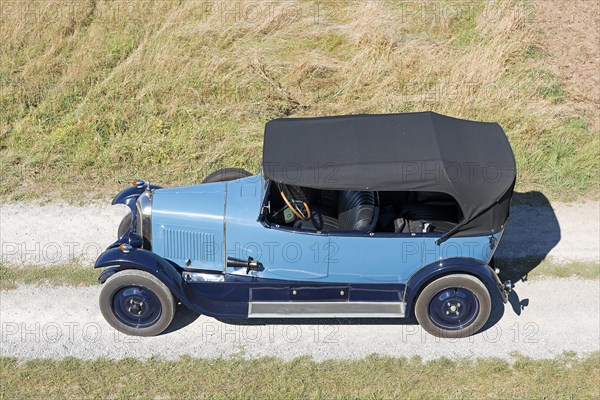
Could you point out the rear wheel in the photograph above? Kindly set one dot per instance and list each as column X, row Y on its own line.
column 137, row 303
column 226, row 174
column 453, row 306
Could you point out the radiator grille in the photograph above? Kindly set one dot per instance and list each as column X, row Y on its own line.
column 182, row 243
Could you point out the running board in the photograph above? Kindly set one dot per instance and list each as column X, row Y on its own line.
column 320, row 309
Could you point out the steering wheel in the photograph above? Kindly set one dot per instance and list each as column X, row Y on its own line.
column 293, row 198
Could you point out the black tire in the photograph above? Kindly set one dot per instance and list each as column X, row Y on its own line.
column 154, row 319
column 439, row 305
column 124, row 225
column 226, row 174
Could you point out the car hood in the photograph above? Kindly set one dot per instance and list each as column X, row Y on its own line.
column 188, row 224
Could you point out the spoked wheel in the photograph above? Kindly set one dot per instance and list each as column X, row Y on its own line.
column 453, row 306
column 137, row 303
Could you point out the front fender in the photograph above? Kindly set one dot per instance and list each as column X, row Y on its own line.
column 143, row 260
column 128, row 196
column 453, row 266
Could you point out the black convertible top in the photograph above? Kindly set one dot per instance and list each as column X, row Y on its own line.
column 424, row 151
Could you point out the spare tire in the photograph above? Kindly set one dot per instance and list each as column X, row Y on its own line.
column 226, row 174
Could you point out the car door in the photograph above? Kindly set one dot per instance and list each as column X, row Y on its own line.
column 374, row 257
column 284, row 253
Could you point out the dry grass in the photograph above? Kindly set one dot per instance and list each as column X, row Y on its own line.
column 107, row 91
column 56, row 275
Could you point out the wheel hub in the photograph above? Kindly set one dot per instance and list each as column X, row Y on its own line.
column 453, row 308
column 136, row 306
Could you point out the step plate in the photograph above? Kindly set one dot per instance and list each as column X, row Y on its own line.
column 339, row 309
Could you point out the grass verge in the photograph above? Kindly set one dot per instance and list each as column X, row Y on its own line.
column 514, row 269
column 373, row 377
column 57, row 275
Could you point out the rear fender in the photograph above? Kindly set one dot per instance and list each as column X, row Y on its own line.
column 438, row 269
column 143, row 260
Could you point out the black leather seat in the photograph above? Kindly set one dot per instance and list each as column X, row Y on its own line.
column 355, row 212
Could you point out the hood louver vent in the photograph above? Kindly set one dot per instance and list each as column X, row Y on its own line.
column 182, row 244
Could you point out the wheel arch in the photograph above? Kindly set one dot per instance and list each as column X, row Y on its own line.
column 115, row 260
column 477, row 268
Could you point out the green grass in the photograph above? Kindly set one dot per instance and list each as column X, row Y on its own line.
column 375, row 377
column 172, row 90
column 58, row 275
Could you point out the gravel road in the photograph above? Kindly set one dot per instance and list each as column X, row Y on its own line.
column 560, row 315
column 31, row 233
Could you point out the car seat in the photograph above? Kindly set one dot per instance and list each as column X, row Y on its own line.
column 355, row 212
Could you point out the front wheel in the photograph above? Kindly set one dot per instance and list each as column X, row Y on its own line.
column 453, row 306
column 137, row 303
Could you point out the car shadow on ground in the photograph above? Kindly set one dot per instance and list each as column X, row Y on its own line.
column 183, row 317
column 531, row 233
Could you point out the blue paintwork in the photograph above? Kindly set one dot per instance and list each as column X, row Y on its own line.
column 395, row 258
column 204, row 224
column 285, row 254
column 188, row 223
column 334, row 257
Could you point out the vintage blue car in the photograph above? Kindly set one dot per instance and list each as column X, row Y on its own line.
column 358, row 216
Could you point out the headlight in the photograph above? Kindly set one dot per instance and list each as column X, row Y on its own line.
column 143, row 228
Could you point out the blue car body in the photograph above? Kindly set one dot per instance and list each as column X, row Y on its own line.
column 196, row 228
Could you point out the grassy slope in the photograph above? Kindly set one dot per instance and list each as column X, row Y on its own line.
column 373, row 377
column 107, row 91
